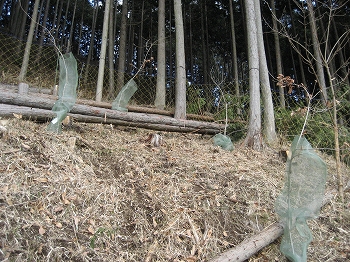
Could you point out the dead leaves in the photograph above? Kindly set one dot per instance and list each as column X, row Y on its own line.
column 285, row 81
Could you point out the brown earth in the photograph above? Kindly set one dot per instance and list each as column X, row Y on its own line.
column 103, row 193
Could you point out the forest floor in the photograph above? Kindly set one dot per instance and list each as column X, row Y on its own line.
column 103, row 193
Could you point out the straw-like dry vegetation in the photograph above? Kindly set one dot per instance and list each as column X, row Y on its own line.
column 103, row 193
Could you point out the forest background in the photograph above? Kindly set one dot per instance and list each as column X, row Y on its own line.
column 270, row 69
column 303, row 59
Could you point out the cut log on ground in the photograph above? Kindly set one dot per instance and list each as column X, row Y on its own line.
column 144, row 121
column 45, row 93
column 252, row 245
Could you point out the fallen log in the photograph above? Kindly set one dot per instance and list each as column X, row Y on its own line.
column 39, row 114
column 252, row 245
column 46, row 93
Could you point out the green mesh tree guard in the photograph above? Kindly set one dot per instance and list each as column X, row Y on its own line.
column 122, row 100
column 301, row 198
column 223, row 141
column 67, row 94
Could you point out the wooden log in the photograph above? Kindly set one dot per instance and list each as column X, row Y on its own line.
column 45, row 93
column 39, row 114
column 252, row 245
column 44, row 103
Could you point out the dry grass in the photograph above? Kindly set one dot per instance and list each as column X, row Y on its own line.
column 101, row 193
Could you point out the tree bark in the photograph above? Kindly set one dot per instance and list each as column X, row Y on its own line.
column 64, row 31
column 24, row 68
column 102, row 62
column 317, row 53
column 71, row 32
column 253, row 139
column 122, row 46
column 161, row 74
column 180, row 77
column 91, row 45
column 277, row 52
column 234, row 59
column 111, row 38
column 269, row 117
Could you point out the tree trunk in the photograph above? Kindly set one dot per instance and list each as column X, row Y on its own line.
column 160, row 92
column 277, row 52
column 111, row 38
column 300, row 59
column 43, row 27
column 91, row 46
column 204, row 46
column 317, row 53
column 140, row 43
column 102, row 62
column 64, row 31
column 2, row 2
column 80, row 30
column 193, row 78
column 23, row 20
column 15, row 22
column 234, row 59
column 253, row 139
column 131, row 39
column 343, row 65
column 24, row 68
column 122, row 46
column 57, row 14
column 71, row 32
column 269, row 117
column 180, row 77
column 41, row 8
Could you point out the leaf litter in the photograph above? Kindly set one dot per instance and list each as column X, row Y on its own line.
column 105, row 193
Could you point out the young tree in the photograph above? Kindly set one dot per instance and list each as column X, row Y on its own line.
column 160, row 92
column 180, row 77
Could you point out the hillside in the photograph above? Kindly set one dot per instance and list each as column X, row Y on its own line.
column 104, row 193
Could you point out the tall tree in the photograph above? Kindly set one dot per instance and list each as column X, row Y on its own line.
column 71, row 32
column 300, row 59
column 277, row 51
column 102, row 62
column 253, row 139
column 234, row 56
column 160, row 90
column 43, row 28
column 122, row 46
column 111, row 38
column 64, row 33
column 269, row 117
column 317, row 52
column 24, row 68
column 204, row 43
column 91, row 45
column 140, row 43
column 23, row 19
column 180, row 71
